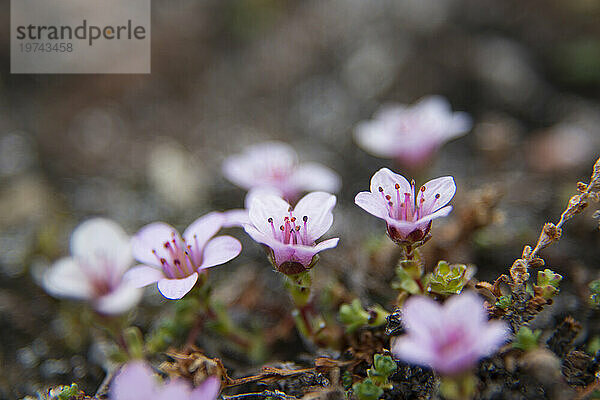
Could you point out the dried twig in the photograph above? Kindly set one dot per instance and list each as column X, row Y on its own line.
column 274, row 394
column 552, row 232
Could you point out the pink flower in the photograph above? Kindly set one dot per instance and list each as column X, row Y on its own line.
column 289, row 232
column 100, row 254
column 136, row 381
column 411, row 134
column 275, row 165
column 449, row 338
column 408, row 216
column 173, row 261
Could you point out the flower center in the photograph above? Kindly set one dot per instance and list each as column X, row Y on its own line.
column 278, row 171
column 405, row 207
column 450, row 340
column 292, row 230
column 277, row 174
column 101, row 273
column 180, row 260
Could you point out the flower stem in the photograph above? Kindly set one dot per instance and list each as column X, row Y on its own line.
column 115, row 328
column 207, row 310
column 308, row 321
column 459, row 387
column 408, row 252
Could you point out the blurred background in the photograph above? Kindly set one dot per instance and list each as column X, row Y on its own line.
column 226, row 74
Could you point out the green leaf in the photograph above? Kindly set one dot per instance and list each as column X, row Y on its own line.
column 69, row 392
column 449, row 279
column 526, row 339
column 367, row 390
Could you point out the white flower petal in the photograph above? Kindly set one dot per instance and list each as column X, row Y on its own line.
column 377, row 137
column 317, row 207
column 260, row 191
column 208, row 390
column 433, row 105
column 235, row 218
column 444, row 186
column 143, row 275
column 411, row 350
column 326, row 244
column 423, row 317
column 387, row 180
column 313, row 176
column 175, row 289
column 467, row 309
column 239, row 171
column 460, row 125
column 201, row 230
column 259, row 236
column 118, row 301
column 390, row 111
column 495, row 334
column 101, row 243
column 263, row 164
column 66, row 279
column 442, row 212
column 264, row 206
column 175, row 389
column 371, row 203
column 151, row 238
column 135, row 381
column 273, row 153
column 220, row 250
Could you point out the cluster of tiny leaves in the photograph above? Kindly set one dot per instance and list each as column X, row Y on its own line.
column 372, row 388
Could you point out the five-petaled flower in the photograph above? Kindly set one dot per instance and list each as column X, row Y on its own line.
column 408, row 215
column 291, row 233
column 174, row 261
column 275, row 165
column 100, row 254
column 411, row 134
column 449, row 338
column 136, row 381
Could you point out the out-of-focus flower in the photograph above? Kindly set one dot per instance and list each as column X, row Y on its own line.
column 408, row 215
column 449, row 338
column 275, row 165
column 291, row 233
column 100, row 255
column 411, row 134
column 136, row 381
column 173, row 261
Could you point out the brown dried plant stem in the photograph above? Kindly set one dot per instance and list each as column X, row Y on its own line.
column 552, row 232
column 266, row 394
column 523, row 306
